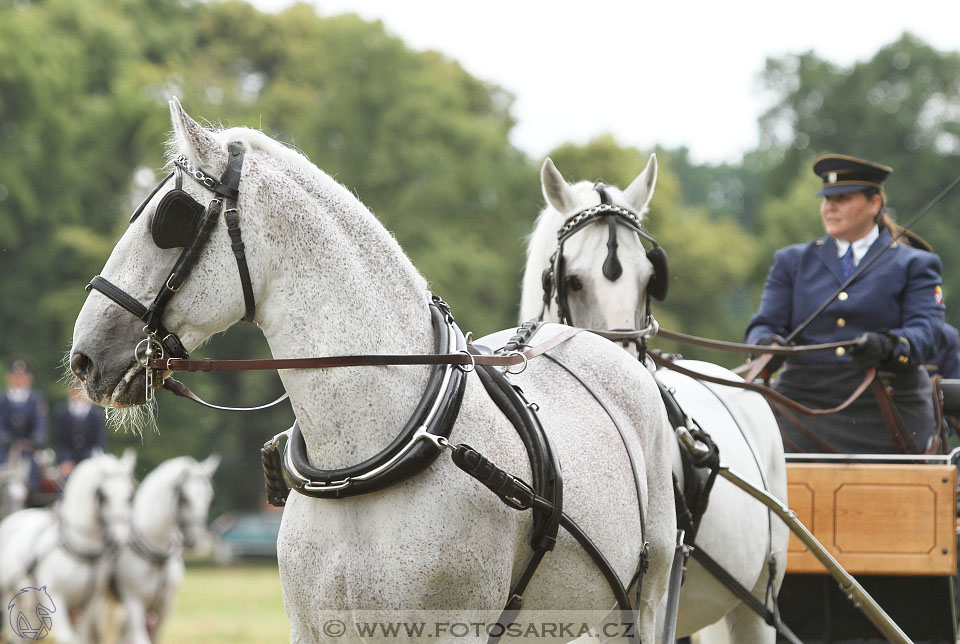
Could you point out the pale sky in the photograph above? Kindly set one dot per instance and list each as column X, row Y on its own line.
column 669, row 73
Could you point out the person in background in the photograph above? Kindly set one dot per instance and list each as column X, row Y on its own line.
column 79, row 429
column 23, row 418
column 894, row 311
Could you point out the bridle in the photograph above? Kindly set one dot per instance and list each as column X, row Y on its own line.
column 555, row 282
column 180, row 221
column 138, row 544
column 103, row 521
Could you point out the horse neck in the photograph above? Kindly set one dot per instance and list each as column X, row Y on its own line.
column 341, row 285
column 154, row 517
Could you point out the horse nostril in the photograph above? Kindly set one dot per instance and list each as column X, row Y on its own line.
column 80, row 365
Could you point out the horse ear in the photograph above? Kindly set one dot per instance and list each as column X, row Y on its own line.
column 194, row 139
column 209, row 464
column 129, row 458
column 640, row 191
column 556, row 190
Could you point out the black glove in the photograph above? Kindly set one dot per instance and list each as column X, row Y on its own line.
column 775, row 361
column 872, row 349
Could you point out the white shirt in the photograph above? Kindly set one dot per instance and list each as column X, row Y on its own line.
column 860, row 247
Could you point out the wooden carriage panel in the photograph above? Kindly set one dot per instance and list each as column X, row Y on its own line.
column 891, row 519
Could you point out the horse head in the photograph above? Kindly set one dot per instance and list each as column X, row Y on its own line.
column 97, row 497
column 586, row 262
column 194, row 495
column 141, row 267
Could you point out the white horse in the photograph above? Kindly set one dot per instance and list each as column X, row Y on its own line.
column 13, row 487
column 328, row 279
column 736, row 530
column 169, row 514
column 65, row 549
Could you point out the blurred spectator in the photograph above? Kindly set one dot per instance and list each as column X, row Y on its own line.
column 23, row 418
column 79, row 429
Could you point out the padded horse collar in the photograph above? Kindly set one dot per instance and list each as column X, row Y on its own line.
column 417, row 445
column 554, row 278
column 177, row 221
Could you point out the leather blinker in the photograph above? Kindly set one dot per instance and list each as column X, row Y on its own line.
column 176, row 220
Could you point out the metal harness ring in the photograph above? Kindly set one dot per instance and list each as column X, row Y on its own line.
column 144, row 358
column 473, row 362
column 523, row 367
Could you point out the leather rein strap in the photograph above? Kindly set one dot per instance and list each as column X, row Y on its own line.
column 765, row 391
column 462, row 359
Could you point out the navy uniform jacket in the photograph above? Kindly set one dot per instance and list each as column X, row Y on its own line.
column 947, row 361
column 22, row 420
column 76, row 438
column 899, row 293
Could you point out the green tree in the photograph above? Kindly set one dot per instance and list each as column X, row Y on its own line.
column 901, row 108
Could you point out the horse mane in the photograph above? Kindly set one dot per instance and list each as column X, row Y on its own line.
column 294, row 162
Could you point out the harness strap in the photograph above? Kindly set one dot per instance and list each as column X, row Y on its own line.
column 510, row 359
column 517, row 494
column 739, row 347
column 229, row 189
column 145, row 551
column 765, row 391
column 894, row 421
column 770, row 617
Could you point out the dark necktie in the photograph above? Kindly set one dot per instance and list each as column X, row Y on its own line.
column 847, row 262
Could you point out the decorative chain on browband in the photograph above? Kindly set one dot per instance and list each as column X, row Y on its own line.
column 591, row 213
column 198, row 175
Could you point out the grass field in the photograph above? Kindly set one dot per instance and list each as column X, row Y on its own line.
column 229, row 605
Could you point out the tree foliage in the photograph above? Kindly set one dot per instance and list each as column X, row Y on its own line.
column 83, row 120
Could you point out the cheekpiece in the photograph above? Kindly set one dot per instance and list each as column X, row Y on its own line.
column 841, row 173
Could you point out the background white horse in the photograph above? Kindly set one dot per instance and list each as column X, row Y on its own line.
column 66, row 548
column 329, row 279
column 736, row 530
column 13, row 487
column 169, row 513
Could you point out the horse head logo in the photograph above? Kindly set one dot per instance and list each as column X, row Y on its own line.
column 30, row 611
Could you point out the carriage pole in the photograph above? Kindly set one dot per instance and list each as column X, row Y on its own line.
column 854, row 591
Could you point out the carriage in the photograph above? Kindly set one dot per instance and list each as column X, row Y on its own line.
column 890, row 520
column 597, row 400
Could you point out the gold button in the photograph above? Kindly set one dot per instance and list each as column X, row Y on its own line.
column 841, row 351
column 842, row 296
column 903, row 359
column 841, row 322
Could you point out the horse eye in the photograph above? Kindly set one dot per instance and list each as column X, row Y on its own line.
column 574, row 283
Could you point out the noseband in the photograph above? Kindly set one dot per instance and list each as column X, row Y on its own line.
column 179, row 220
column 554, row 280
